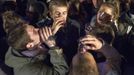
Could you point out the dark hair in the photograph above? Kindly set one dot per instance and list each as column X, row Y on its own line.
column 8, row 6
column 10, row 20
column 15, row 28
column 38, row 7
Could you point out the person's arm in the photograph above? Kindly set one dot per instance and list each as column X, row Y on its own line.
column 35, row 66
column 57, row 59
column 92, row 43
column 113, row 58
column 109, row 52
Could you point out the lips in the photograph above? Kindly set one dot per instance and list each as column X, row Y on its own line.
column 62, row 22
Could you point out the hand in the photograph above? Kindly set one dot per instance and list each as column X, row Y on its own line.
column 46, row 36
column 57, row 25
column 91, row 42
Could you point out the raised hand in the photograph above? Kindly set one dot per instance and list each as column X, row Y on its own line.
column 57, row 25
column 90, row 42
column 47, row 36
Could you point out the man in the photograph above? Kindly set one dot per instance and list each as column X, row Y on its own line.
column 27, row 55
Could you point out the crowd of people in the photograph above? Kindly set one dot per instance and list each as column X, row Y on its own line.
column 67, row 37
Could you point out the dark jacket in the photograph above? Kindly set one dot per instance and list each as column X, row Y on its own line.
column 67, row 39
column 113, row 60
column 124, row 41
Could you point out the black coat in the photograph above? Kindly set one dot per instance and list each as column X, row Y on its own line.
column 67, row 39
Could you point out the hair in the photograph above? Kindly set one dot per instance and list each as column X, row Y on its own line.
column 10, row 20
column 114, row 6
column 39, row 7
column 84, row 64
column 8, row 5
column 58, row 3
column 15, row 28
column 75, row 3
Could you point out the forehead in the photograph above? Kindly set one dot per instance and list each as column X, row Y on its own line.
column 105, row 9
column 59, row 8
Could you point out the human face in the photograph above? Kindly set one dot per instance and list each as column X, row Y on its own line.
column 105, row 15
column 59, row 13
column 34, row 36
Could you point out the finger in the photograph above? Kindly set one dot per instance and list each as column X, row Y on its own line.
column 57, row 23
column 56, row 29
column 90, row 48
column 87, row 47
column 50, row 31
column 44, row 33
column 47, row 32
column 87, row 39
column 89, row 43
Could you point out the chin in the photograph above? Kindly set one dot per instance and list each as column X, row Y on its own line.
column 63, row 24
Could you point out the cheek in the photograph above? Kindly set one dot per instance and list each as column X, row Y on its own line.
column 37, row 39
column 66, row 16
column 53, row 17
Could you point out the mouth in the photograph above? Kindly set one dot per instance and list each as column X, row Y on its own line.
column 63, row 22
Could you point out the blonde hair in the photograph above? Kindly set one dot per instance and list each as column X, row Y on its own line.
column 58, row 3
column 114, row 6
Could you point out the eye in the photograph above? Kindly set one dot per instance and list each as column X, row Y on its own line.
column 65, row 12
column 57, row 14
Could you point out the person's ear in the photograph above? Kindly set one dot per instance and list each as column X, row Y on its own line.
column 30, row 45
